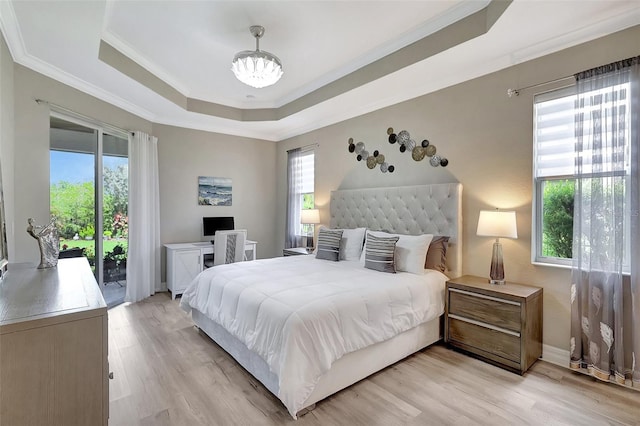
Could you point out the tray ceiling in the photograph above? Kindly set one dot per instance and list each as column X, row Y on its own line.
column 169, row 61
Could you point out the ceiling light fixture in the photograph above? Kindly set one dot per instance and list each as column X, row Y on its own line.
column 257, row 68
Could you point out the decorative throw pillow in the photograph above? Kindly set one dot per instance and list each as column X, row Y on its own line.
column 329, row 244
column 437, row 254
column 411, row 251
column 379, row 253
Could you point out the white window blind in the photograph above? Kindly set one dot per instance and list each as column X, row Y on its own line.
column 554, row 131
column 554, row 136
column 306, row 182
column 307, row 159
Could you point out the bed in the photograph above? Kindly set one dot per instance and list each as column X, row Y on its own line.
column 307, row 328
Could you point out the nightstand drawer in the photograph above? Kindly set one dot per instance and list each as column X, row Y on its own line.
column 486, row 309
column 491, row 341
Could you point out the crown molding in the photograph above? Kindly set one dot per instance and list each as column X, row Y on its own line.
column 57, row 74
column 11, row 30
column 13, row 36
column 606, row 26
column 228, row 127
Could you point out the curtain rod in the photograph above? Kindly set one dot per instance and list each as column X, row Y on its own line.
column 304, row 147
column 59, row 108
column 516, row 92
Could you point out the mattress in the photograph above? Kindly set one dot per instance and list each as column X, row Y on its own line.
column 300, row 314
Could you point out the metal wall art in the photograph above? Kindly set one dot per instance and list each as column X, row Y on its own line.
column 371, row 160
column 403, row 138
column 418, row 152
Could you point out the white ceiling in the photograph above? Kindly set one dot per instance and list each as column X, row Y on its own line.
column 190, row 44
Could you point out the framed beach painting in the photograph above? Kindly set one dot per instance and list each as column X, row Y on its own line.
column 214, row 191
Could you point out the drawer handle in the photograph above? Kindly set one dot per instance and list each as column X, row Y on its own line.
column 482, row 296
column 485, row 325
column 111, row 375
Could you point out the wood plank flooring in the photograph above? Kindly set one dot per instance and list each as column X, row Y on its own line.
column 168, row 373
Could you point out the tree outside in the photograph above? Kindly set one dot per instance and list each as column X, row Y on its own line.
column 73, row 206
column 557, row 218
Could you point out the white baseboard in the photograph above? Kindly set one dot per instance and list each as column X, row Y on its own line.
column 555, row 355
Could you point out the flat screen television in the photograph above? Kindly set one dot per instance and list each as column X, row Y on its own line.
column 212, row 224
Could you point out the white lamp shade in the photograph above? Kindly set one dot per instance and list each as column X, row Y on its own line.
column 497, row 223
column 310, row 216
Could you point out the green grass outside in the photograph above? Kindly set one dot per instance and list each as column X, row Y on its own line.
column 108, row 245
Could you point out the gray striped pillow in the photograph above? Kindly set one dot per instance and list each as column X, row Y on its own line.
column 329, row 244
column 379, row 253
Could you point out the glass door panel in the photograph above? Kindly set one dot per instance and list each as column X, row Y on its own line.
column 115, row 216
column 89, row 197
column 73, row 151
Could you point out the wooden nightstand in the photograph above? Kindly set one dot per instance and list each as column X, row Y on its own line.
column 501, row 324
column 295, row 251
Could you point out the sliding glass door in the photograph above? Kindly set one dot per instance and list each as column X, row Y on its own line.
column 89, row 198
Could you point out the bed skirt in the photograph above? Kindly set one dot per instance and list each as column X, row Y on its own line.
column 346, row 371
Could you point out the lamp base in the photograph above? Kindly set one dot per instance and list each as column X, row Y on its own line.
column 497, row 266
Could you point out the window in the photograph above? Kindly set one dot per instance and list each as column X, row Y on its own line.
column 300, row 193
column 555, row 176
column 89, row 197
column 307, row 198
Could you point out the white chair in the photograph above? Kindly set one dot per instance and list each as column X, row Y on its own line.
column 228, row 246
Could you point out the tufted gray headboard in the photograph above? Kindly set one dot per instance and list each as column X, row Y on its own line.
column 423, row 209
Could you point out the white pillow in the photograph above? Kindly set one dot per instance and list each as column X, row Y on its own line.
column 411, row 251
column 351, row 243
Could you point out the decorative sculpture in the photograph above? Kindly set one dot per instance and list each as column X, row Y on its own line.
column 418, row 151
column 371, row 160
column 48, row 241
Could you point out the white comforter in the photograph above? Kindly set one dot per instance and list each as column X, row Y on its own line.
column 301, row 314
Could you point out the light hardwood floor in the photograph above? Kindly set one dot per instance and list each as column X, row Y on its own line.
column 168, row 373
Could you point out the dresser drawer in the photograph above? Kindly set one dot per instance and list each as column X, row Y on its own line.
column 495, row 342
column 487, row 309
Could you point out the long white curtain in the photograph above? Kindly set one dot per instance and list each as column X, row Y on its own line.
column 294, row 191
column 143, row 263
column 605, row 291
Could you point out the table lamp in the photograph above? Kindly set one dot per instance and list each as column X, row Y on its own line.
column 310, row 217
column 498, row 224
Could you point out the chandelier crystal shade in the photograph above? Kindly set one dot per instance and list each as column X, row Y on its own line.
column 257, row 68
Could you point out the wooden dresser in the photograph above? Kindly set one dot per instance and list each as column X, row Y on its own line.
column 53, row 347
column 501, row 324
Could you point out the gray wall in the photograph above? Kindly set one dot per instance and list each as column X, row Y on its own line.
column 487, row 138
column 31, row 176
column 184, row 154
column 7, row 140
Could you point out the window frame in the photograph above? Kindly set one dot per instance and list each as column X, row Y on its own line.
column 537, row 258
column 302, row 229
